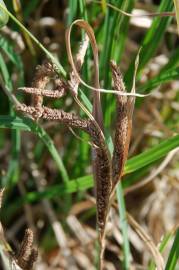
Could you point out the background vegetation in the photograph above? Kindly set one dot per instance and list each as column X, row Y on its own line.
column 46, row 170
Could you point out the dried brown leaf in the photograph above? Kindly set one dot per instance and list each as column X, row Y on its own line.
column 122, row 131
column 97, row 110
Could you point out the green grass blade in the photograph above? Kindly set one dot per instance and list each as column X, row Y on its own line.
column 73, row 6
column 76, row 185
column 155, row 34
column 124, row 227
column 173, row 61
column 122, row 31
column 174, row 254
column 109, row 29
column 162, row 247
column 9, row 50
column 15, row 58
column 132, row 165
column 29, row 7
column 83, row 10
column 39, row 44
column 14, row 122
column 151, row 41
column 163, row 77
column 104, row 5
column 4, row 71
column 27, row 124
column 41, row 133
column 3, row 15
column 116, row 48
column 12, row 175
column 165, row 241
column 85, row 99
column 151, row 155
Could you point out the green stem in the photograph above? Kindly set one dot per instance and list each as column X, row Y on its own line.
column 124, row 227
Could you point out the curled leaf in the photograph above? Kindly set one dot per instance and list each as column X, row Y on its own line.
column 97, row 111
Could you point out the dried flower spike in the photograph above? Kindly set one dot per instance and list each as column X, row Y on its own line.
column 106, row 172
column 123, row 125
column 27, row 255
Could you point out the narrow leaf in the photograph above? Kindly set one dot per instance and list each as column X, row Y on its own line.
column 3, row 15
column 176, row 3
column 174, row 254
column 151, row 155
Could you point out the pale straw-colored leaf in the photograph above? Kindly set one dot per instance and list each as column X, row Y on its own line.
column 176, row 4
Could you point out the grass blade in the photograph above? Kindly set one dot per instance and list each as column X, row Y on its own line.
column 152, row 40
column 132, row 165
column 8, row 49
column 176, row 4
column 122, row 31
column 109, row 27
column 124, row 227
column 27, row 124
column 162, row 246
column 151, row 155
column 12, row 174
column 3, row 15
column 174, row 254
column 39, row 44
column 173, row 61
column 29, row 7
column 116, row 47
column 73, row 6
column 155, row 34
column 163, row 77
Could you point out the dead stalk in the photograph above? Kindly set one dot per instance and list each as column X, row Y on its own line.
column 148, row 242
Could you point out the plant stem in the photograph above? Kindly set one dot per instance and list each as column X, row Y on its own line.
column 124, row 227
